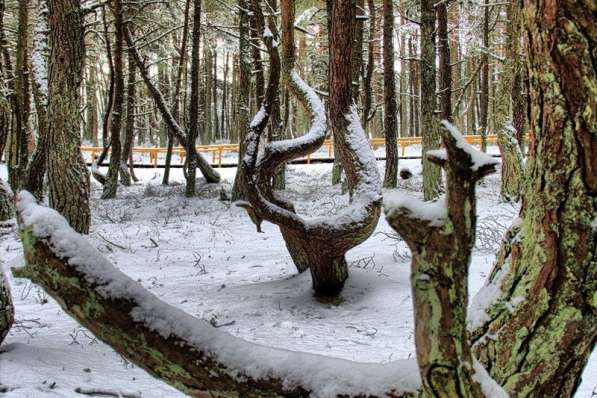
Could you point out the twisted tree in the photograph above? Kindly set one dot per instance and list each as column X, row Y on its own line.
column 441, row 236
column 317, row 244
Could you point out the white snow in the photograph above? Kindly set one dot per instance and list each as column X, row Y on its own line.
column 478, row 158
column 487, row 295
column 490, row 388
column 434, row 212
column 267, row 32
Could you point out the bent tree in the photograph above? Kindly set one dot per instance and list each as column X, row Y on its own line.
column 536, row 336
column 319, row 245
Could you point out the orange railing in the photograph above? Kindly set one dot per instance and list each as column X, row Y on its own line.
column 217, row 151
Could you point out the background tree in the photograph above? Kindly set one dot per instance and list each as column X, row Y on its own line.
column 390, row 110
column 68, row 178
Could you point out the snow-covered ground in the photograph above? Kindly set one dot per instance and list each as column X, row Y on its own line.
column 204, row 256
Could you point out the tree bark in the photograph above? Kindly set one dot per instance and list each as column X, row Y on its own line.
column 441, row 238
column 193, row 130
column 67, row 174
column 390, row 113
column 244, row 89
column 538, row 334
column 445, row 70
column 7, row 310
column 111, row 184
column 484, row 97
column 429, row 121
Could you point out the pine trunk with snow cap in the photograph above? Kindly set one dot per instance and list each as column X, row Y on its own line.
column 7, row 310
column 537, row 321
column 441, row 235
column 318, row 244
column 186, row 352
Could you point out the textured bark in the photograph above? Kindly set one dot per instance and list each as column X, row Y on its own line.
column 445, row 70
column 322, row 246
column 368, row 81
column 519, row 102
column 6, row 202
column 128, row 173
column 505, row 114
column 542, row 327
column 390, row 110
column 7, row 310
column 193, row 130
column 67, row 174
column 244, row 89
column 439, row 277
column 111, row 184
column 484, row 96
column 429, row 121
column 19, row 149
column 512, row 166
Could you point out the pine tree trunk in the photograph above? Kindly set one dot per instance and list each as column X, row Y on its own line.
column 244, row 90
column 484, row 97
column 536, row 337
column 131, row 94
column 67, row 174
column 391, row 123
column 429, row 122
column 193, row 131
column 111, row 185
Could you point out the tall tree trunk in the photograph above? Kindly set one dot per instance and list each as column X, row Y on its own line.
column 19, row 149
column 445, row 70
column 193, row 131
column 369, row 82
column 131, row 99
column 244, row 90
column 111, row 185
column 536, row 336
column 67, row 174
column 404, row 98
column 484, row 98
column 390, row 123
column 519, row 102
column 429, row 121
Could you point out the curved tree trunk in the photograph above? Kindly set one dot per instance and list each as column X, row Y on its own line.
column 67, row 174
column 536, row 336
column 319, row 245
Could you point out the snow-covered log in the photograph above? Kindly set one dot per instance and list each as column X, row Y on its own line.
column 170, row 344
column 441, row 235
column 318, row 244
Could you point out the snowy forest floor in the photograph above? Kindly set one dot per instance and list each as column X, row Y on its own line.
column 204, row 256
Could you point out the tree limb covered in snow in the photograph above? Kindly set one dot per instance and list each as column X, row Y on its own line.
column 186, row 352
column 441, row 235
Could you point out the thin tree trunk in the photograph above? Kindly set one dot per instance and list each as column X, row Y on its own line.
column 390, row 123
column 445, row 70
column 484, row 98
column 193, row 131
column 131, row 94
column 111, row 185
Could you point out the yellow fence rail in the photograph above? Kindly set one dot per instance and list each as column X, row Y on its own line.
column 217, row 151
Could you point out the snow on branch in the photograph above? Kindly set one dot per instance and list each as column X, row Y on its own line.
column 478, row 160
column 170, row 344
